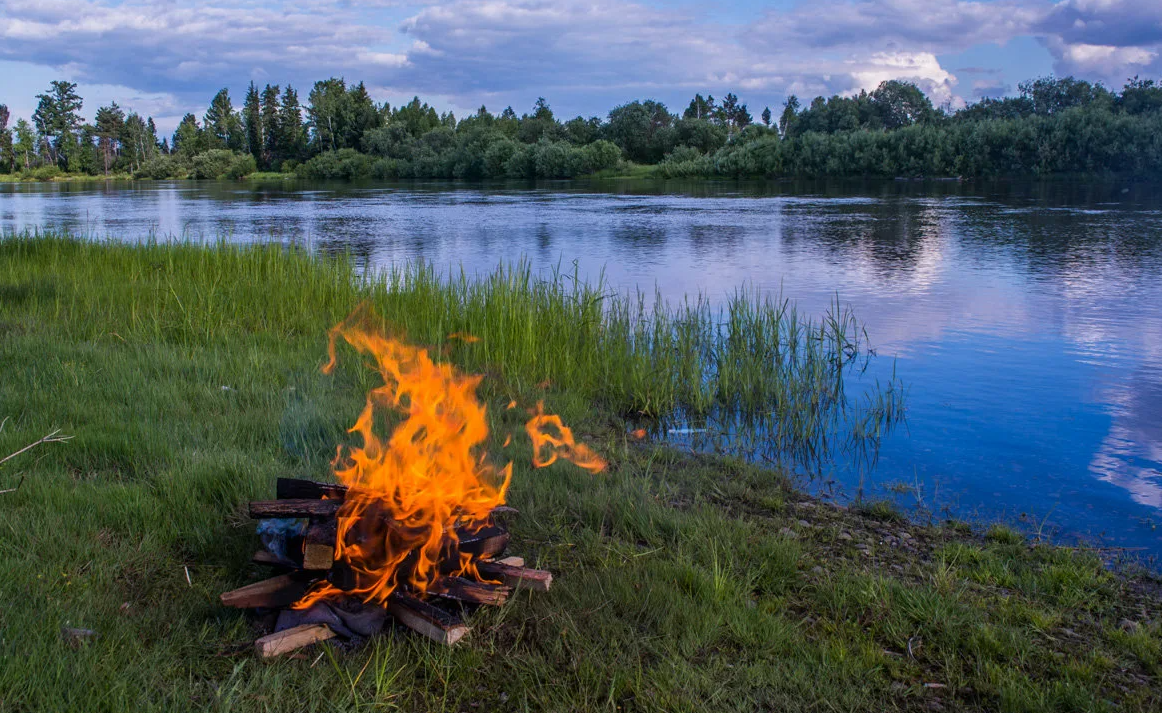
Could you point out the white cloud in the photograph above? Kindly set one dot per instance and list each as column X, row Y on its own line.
column 1107, row 40
column 594, row 53
column 922, row 68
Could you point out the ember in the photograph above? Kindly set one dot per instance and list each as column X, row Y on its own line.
column 414, row 519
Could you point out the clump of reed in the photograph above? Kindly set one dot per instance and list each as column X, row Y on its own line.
column 754, row 373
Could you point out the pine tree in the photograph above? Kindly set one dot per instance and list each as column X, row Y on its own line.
column 271, row 128
column 57, row 119
column 7, row 155
column 292, row 140
column 252, row 121
column 188, row 138
column 110, row 123
column 766, row 117
column 222, row 126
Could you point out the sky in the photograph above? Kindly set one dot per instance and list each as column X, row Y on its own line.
column 168, row 57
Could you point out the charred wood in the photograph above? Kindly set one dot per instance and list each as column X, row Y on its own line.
column 295, row 508
column 466, row 590
column 429, row 620
column 279, row 591
column 296, row 489
column 319, row 544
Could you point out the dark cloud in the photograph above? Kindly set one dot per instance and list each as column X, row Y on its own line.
column 183, row 48
column 911, row 25
column 1111, row 23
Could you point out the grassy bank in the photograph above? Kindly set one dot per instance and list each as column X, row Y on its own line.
column 58, row 177
column 189, row 377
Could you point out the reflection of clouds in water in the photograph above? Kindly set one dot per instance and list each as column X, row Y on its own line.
column 1119, row 462
column 1102, row 319
column 1130, row 454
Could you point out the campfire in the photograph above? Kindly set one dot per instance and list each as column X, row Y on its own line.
column 413, row 531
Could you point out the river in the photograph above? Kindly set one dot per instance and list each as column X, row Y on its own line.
column 1025, row 319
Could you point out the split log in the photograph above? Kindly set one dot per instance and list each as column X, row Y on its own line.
column 515, row 576
column 294, row 508
column 283, row 642
column 513, row 561
column 433, row 622
column 279, row 591
column 466, row 590
column 319, row 544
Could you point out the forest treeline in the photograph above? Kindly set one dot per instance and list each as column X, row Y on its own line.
column 1053, row 126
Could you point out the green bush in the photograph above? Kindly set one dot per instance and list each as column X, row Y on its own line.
column 159, row 167
column 242, row 165
column 600, row 155
column 496, row 158
column 385, row 169
column 522, row 163
column 346, row 164
column 682, row 154
column 556, row 159
column 214, row 163
column 46, row 173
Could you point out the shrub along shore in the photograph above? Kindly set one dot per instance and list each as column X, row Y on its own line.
column 189, row 378
column 1053, row 127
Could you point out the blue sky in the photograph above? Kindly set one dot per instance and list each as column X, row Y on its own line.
column 167, row 57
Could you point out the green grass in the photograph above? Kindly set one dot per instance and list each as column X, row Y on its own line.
column 190, row 379
column 63, row 177
column 269, row 176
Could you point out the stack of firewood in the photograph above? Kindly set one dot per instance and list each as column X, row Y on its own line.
column 308, row 558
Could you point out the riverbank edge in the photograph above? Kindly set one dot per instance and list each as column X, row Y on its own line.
column 872, row 612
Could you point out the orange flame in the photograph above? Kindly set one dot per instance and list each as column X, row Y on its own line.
column 548, row 430
column 464, row 337
column 408, row 494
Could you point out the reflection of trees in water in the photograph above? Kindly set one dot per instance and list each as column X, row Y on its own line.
column 1049, row 240
column 715, row 240
column 892, row 237
column 640, row 235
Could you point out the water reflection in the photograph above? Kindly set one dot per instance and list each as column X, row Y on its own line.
column 1026, row 318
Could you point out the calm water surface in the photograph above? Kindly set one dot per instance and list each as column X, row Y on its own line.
column 1025, row 319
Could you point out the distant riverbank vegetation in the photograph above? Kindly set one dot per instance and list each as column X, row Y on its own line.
column 1054, row 126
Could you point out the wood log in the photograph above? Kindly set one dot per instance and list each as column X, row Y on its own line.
column 297, row 489
column 485, row 543
column 267, row 557
column 537, row 580
column 513, row 561
column 466, row 590
column 294, row 508
column 433, row 622
column 283, row 642
column 279, row 591
column 319, row 544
